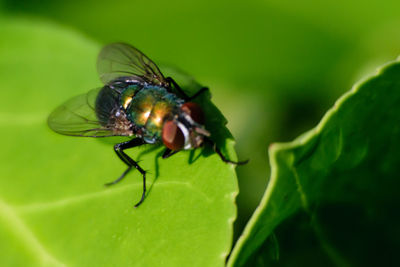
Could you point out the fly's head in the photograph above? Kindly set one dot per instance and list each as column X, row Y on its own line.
column 185, row 130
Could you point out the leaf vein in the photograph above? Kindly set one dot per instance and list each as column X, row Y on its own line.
column 17, row 226
column 44, row 206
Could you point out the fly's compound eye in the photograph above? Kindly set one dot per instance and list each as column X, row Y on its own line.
column 194, row 111
column 172, row 136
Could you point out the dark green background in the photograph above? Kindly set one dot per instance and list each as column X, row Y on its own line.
column 274, row 67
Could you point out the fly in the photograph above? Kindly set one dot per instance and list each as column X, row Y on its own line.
column 136, row 101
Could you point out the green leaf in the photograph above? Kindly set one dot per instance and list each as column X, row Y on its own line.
column 333, row 194
column 54, row 209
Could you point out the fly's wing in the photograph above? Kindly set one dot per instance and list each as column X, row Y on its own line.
column 122, row 60
column 79, row 116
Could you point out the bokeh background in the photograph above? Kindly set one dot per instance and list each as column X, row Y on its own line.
column 274, row 67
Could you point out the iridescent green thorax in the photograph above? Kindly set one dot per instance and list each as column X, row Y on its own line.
column 147, row 109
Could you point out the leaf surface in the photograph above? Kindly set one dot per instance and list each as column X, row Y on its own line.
column 54, row 209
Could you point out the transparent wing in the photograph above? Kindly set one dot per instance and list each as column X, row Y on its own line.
column 123, row 60
column 78, row 117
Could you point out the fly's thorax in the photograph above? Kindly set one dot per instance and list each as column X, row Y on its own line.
column 148, row 109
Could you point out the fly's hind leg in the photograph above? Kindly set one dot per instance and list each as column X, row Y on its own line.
column 119, row 150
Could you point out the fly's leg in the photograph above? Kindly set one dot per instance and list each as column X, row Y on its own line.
column 223, row 158
column 178, row 88
column 168, row 153
column 119, row 150
column 182, row 93
column 119, row 178
column 201, row 91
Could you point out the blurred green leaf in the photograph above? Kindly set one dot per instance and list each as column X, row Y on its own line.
column 54, row 209
column 333, row 192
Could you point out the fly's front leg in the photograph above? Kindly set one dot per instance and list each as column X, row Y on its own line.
column 119, row 150
column 223, row 158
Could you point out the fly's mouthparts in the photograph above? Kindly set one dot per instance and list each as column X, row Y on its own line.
column 202, row 131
